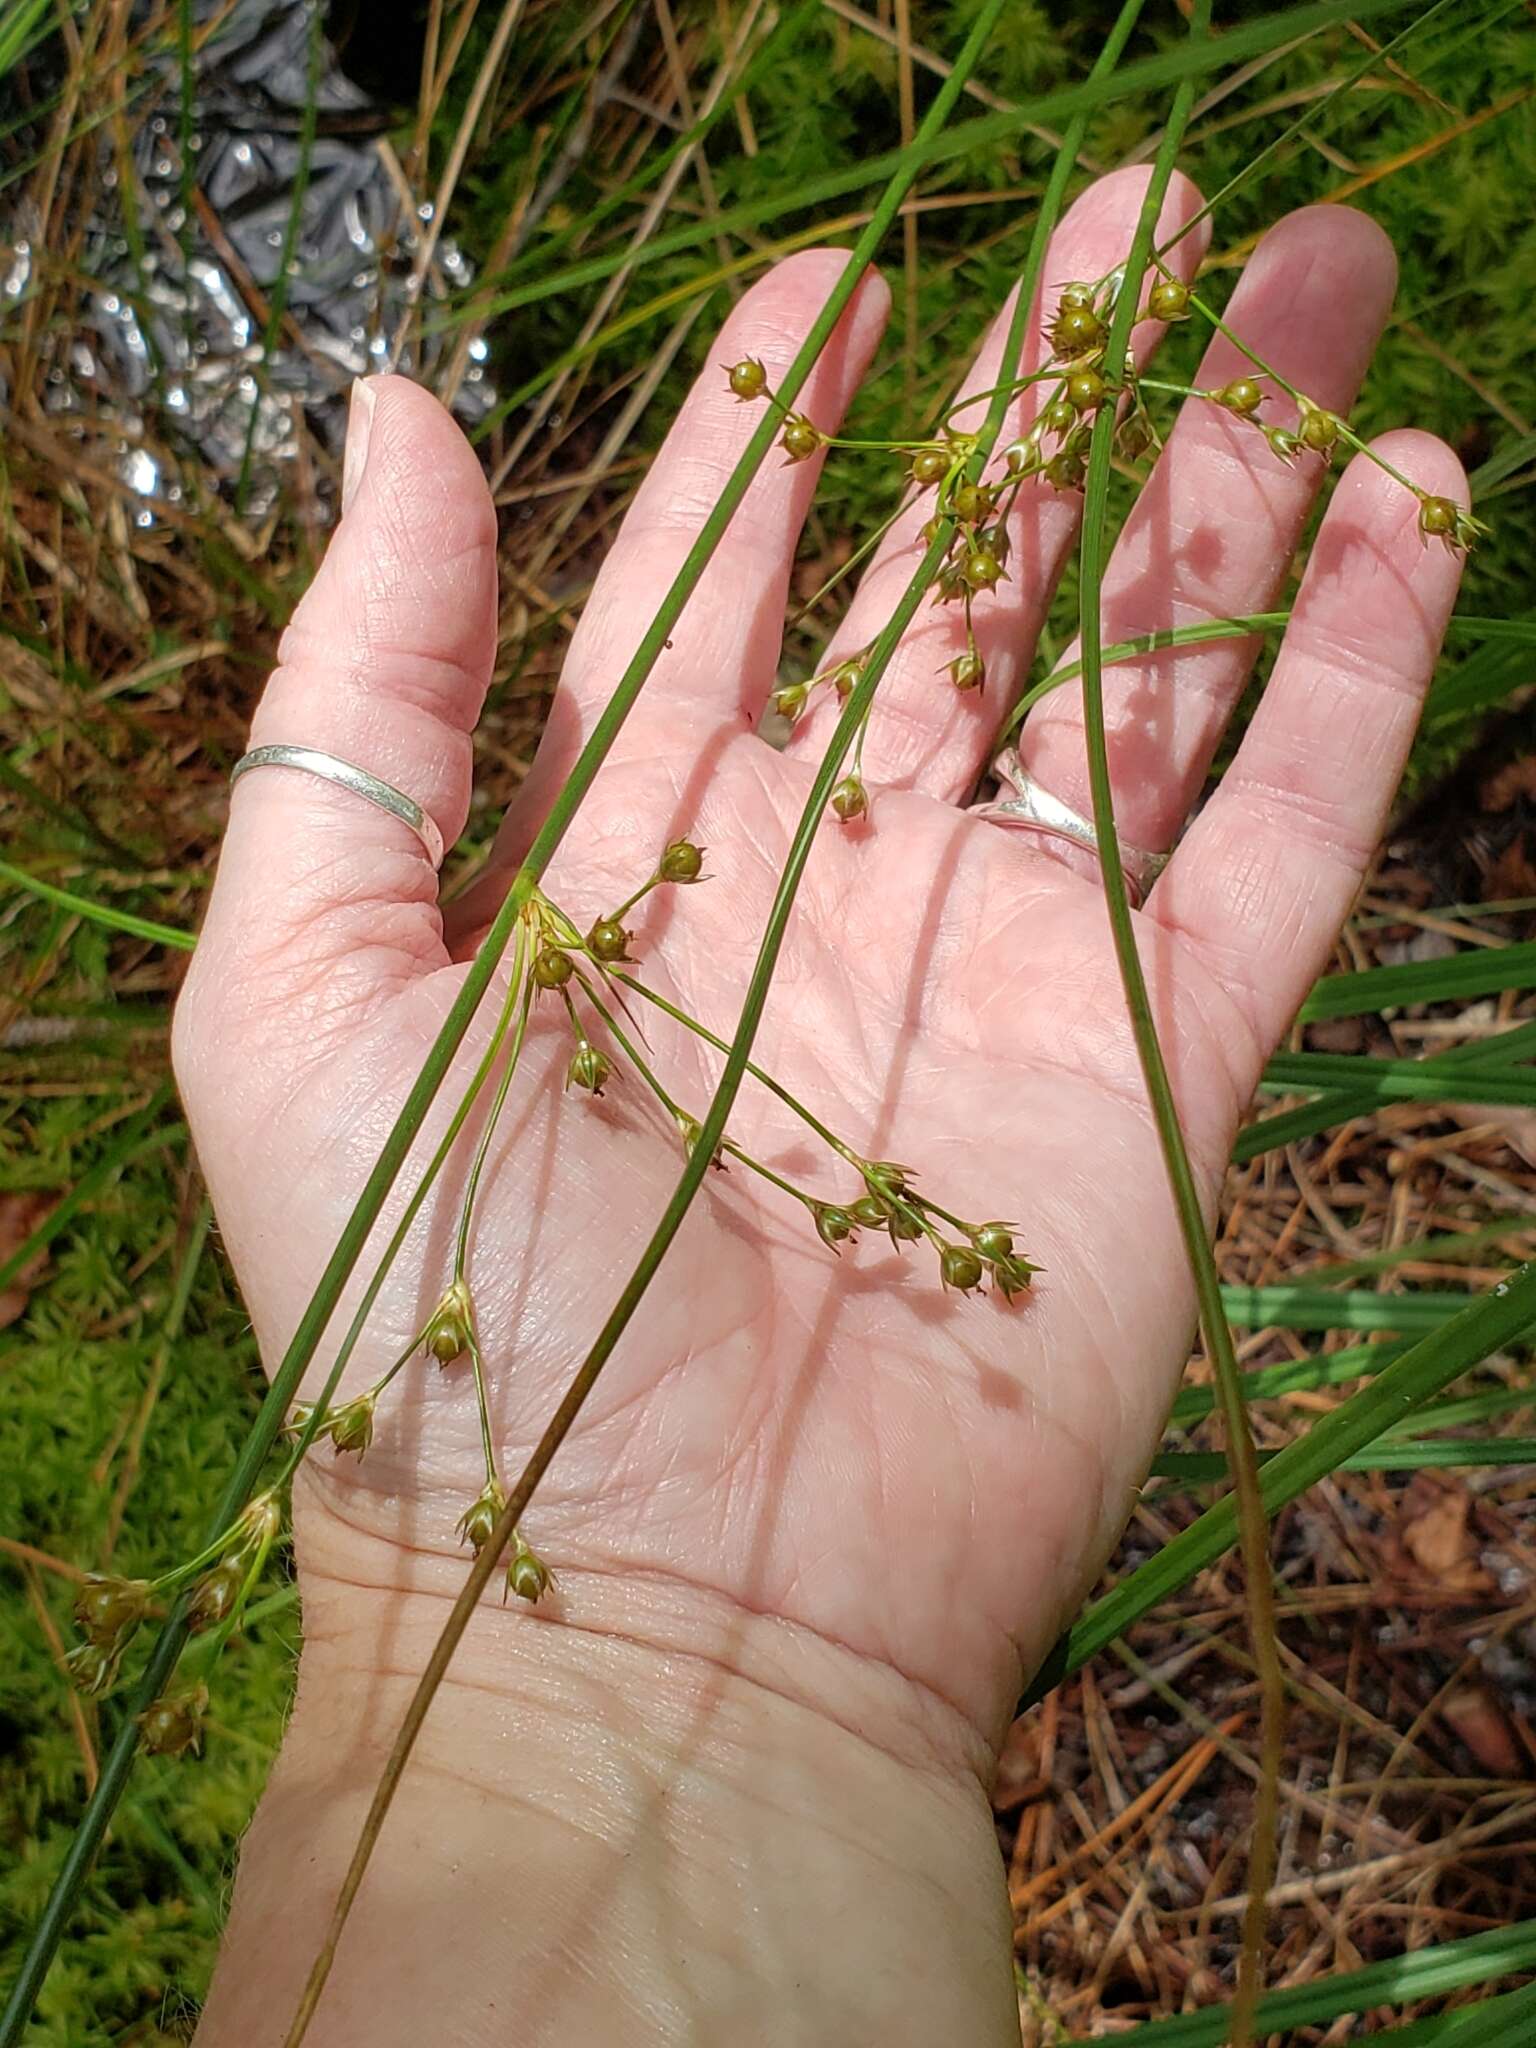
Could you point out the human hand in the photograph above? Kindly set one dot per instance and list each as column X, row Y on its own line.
column 824, row 1476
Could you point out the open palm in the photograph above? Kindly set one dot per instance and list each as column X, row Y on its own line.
column 837, row 1446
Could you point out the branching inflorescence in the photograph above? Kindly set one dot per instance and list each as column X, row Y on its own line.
column 583, row 973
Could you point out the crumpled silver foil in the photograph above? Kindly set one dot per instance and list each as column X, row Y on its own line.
column 181, row 337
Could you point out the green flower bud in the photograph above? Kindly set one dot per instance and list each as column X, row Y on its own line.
column 92, row 1668
column 448, row 1333
column 834, row 1226
column 174, row 1724
column 682, row 862
column 960, row 1267
column 351, row 1427
column 850, row 799
column 1242, row 396
column 552, row 967
column 527, row 1575
column 108, row 1610
column 968, row 671
column 1168, row 300
column 1085, row 390
column 589, row 1069
column 748, row 378
column 479, row 1519
column 800, row 440
column 930, row 466
column 608, row 941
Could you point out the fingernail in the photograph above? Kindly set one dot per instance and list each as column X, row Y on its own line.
column 359, row 429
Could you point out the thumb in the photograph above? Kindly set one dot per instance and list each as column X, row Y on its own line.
column 323, row 899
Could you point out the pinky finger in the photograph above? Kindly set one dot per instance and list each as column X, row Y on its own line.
column 1265, row 876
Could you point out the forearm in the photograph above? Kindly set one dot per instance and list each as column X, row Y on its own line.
column 609, row 1834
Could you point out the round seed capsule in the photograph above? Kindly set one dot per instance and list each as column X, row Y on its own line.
column 1060, row 416
column 589, row 1069
column 850, row 799
column 1065, row 470
column 552, row 967
column 1319, row 431
column 1168, row 299
column 929, row 466
column 871, row 1212
column 107, row 1608
column 800, row 439
column 1437, row 516
column 214, row 1596
column 527, row 1574
column 1076, row 330
column 993, row 1241
column 982, row 569
column 1085, row 389
column 171, row 1727
column 834, row 1226
column 968, row 671
column 959, row 1266
column 748, row 378
column 970, row 503
column 608, row 940
column 1241, row 396
column 682, row 862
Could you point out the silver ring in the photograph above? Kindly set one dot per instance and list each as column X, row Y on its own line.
column 1036, row 810
column 346, row 775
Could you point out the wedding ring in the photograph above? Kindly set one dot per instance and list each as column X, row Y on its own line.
column 1036, row 810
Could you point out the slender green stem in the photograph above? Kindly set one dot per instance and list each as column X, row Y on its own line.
column 1244, row 1464
column 520, row 993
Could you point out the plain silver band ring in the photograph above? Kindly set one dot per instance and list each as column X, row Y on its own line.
column 346, row 775
column 1036, row 810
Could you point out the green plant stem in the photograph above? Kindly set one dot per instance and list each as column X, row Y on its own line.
column 1253, row 1527
column 489, row 1557
column 97, row 913
column 520, row 994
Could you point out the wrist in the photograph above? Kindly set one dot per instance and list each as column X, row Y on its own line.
column 630, row 1816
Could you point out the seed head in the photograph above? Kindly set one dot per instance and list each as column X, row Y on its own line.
column 970, row 502
column 174, row 1723
column 1065, row 471
column 93, row 1668
column 850, row 799
column 608, row 941
column 1443, row 519
column 1168, row 300
column 480, row 1517
column 448, row 1334
column 1241, row 396
column 1013, row 1276
column 1319, row 430
column 552, row 967
column 682, row 862
column 1284, row 443
column 351, row 1427
column 800, row 440
column 834, row 1226
column 1059, row 417
column 903, row 1226
column 982, row 569
column 930, row 466
column 1135, row 436
column 968, row 671
column 960, row 1267
column 870, row 1212
column 589, row 1068
column 216, row 1594
column 789, row 700
column 1075, row 331
column 528, row 1576
column 1085, row 390
column 748, row 378
column 993, row 1241
column 108, row 1610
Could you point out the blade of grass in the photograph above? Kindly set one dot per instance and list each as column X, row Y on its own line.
column 1206, row 1467
column 1482, row 973
column 139, row 1136
column 97, row 913
column 1402, row 1980
column 1504, row 1316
